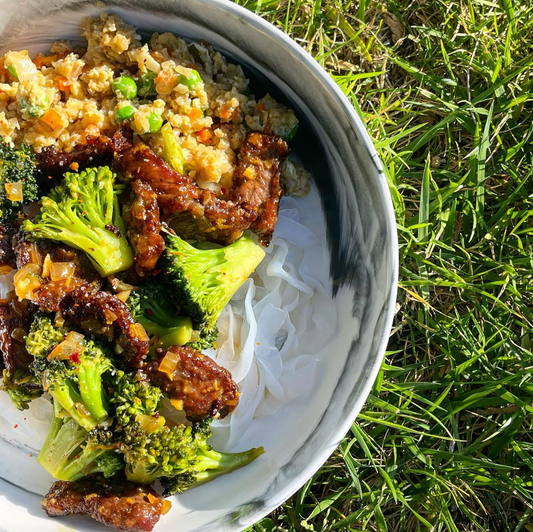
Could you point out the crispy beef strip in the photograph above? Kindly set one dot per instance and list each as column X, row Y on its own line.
column 96, row 151
column 15, row 320
column 141, row 217
column 257, row 181
column 7, row 253
column 115, row 502
column 194, row 212
column 203, row 388
column 50, row 295
column 103, row 315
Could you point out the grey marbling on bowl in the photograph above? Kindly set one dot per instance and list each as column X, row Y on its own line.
column 360, row 245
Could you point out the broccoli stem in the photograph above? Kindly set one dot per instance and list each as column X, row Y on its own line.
column 211, row 464
column 67, row 395
column 178, row 334
column 91, row 389
column 67, row 453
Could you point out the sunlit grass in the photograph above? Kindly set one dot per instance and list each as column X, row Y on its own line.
column 444, row 442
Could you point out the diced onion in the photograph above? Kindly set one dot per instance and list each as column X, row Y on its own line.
column 71, row 345
column 123, row 295
column 110, row 316
column 18, row 334
column 138, row 330
column 169, row 363
column 75, row 337
column 46, row 266
column 36, row 256
column 14, row 191
column 19, row 309
column 22, row 65
column 64, row 350
column 119, row 285
column 59, row 319
column 26, row 280
column 62, row 270
column 81, row 408
column 150, row 423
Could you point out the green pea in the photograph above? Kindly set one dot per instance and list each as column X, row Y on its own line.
column 192, row 80
column 155, row 122
column 146, row 85
column 125, row 113
column 291, row 134
column 126, row 86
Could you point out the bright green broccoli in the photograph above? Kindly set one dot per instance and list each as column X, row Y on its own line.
column 150, row 306
column 18, row 184
column 133, row 397
column 75, row 375
column 180, row 456
column 70, row 452
column 77, row 384
column 43, row 336
column 84, row 213
column 22, row 388
column 204, row 280
column 207, row 463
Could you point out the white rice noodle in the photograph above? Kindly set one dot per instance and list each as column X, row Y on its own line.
column 269, row 333
column 277, row 321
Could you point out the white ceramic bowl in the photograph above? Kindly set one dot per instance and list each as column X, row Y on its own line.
column 359, row 244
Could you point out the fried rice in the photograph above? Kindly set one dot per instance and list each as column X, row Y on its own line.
column 67, row 95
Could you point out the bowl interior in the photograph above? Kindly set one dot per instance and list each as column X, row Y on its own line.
column 355, row 261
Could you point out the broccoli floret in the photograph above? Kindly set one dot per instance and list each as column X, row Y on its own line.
column 70, row 452
column 150, row 306
column 84, row 213
column 180, row 456
column 22, row 388
column 133, row 397
column 18, row 184
column 77, row 384
column 204, row 340
column 43, row 336
column 204, row 280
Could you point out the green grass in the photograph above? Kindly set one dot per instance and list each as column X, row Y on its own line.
column 445, row 441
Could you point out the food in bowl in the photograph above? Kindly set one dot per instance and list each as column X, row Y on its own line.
column 158, row 179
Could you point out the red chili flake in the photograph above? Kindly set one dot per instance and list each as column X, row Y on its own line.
column 15, row 426
column 149, row 311
column 75, row 358
column 223, row 190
